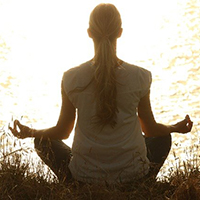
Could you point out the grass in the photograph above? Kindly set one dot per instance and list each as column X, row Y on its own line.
column 24, row 178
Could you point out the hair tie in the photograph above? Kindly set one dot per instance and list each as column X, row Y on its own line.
column 105, row 37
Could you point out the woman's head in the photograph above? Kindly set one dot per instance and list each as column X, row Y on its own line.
column 105, row 23
column 104, row 29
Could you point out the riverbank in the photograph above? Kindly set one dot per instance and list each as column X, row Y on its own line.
column 23, row 177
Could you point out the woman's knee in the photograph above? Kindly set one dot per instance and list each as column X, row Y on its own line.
column 158, row 148
column 154, row 142
column 38, row 143
column 42, row 144
column 166, row 141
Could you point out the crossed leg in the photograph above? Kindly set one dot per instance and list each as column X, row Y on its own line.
column 158, row 149
column 55, row 154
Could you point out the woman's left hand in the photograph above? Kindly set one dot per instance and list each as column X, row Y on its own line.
column 21, row 131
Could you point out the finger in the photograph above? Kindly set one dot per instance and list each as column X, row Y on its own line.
column 190, row 124
column 21, row 127
column 10, row 128
column 15, row 124
column 187, row 117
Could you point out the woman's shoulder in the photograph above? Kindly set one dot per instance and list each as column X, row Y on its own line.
column 136, row 73
column 134, row 68
column 138, row 77
column 78, row 75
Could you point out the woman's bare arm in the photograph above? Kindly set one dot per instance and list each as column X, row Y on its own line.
column 62, row 129
column 151, row 128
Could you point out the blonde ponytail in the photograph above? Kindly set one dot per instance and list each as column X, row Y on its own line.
column 105, row 25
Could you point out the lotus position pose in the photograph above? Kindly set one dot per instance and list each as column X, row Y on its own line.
column 117, row 139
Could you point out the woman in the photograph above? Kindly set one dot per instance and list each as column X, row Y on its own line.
column 113, row 108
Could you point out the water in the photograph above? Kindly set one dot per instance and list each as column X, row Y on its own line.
column 35, row 50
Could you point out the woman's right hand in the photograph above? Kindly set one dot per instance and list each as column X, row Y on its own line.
column 21, row 131
column 184, row 126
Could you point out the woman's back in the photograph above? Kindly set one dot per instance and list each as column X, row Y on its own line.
column 109, row 153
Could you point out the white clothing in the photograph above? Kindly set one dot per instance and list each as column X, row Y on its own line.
column 113, row 154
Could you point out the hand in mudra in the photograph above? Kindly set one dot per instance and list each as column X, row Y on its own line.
column 21, row 131
column 184, row 126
